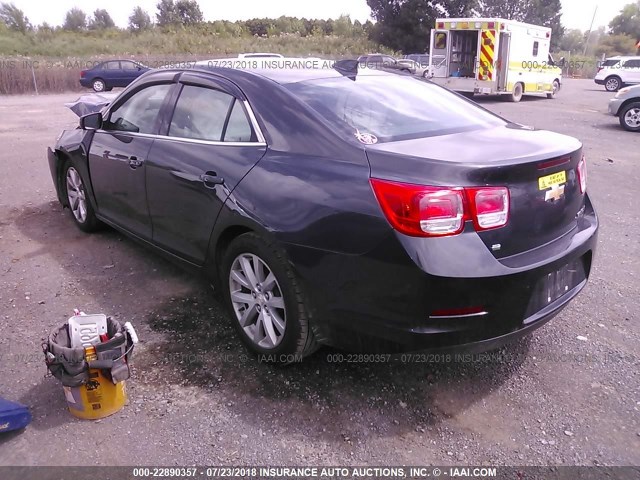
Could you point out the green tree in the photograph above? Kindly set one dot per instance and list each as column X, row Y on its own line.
column 75, row 20
column 101, row 20
column 404, row 25
column 14, row 18
column 167, row 13
column 611, row 45
column 628, row 21
column 511, row 10
column 188, row 12
column 572, row 41
column 139, row 20
column 547, row 13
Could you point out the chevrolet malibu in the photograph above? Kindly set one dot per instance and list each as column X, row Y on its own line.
column 367, row 210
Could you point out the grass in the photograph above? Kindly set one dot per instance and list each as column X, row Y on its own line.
column 58, row 56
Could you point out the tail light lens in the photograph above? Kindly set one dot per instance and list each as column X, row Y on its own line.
column 491, row 207
column 582, row 175
column 426, row 211
column 83, row 73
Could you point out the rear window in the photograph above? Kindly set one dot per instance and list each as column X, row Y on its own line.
column 391, row 107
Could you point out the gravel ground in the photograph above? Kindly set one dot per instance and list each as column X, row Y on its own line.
column 569, row 394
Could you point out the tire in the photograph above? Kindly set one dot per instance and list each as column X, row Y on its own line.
column 556, row 89
column 425, row 74
column 630, row 117
column 75, row 192
column 518, row 92
column 98, row 85
column 267, row 310
column 613, row 84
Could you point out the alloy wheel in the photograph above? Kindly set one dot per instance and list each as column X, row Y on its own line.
column 613, row 84
column 632, row 117
column 257, row 300
column 76, row 195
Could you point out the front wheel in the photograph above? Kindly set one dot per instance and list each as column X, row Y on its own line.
column 630, row 117
column 81, row 210
column 556, row 89
column 266, row 301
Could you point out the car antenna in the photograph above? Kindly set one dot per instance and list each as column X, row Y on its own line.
column 348, row 68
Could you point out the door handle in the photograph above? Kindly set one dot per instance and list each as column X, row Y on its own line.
column 134, row 162
column 211, row 179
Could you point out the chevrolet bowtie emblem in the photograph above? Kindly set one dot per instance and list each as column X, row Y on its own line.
column 555, row 194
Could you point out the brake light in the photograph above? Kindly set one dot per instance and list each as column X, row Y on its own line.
column 83, row 73
column 427, row 211
column 582, row 175
column 490, row 207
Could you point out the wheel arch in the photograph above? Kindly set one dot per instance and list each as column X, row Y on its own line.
column 627, row 103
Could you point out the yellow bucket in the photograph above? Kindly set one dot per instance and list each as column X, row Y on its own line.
column 98, row 398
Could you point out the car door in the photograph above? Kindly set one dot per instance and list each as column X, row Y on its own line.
column 211, row 143
column 130, row 71
column 111, row 73
column 631, row 71
column 117, row 157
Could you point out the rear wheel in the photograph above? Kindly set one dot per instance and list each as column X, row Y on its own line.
column 612, row 84
column 98, row 85
column 518, row 92
column 79, row 205
column 556, row 89
column 266, row 301
column 630, row 117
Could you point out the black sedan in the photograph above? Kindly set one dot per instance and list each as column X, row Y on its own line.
column 370, row 211
column 114, row 73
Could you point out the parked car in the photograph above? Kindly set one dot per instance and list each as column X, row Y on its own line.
column 421, row 70
column 379, row 61
column 626, row 106
column 616, row 72
column 356, row 208
column 113, row 73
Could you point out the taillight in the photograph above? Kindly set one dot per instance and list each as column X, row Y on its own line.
column 426, row 211
column 582, row 175
column 490, row 205
column 83, row 73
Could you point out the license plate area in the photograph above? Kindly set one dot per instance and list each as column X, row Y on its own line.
column 556, row 284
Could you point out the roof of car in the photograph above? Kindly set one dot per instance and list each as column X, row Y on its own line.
column 285, row 76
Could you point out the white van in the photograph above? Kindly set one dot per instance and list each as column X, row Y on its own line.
column 616, row 72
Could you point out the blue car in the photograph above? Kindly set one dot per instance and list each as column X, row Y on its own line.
column 114, row 73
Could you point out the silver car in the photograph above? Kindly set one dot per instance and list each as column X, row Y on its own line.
column 626, row 106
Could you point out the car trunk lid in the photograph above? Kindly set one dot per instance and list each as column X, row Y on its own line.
column 538, row 167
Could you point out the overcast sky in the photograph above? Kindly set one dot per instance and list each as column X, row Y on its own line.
column 576, row 13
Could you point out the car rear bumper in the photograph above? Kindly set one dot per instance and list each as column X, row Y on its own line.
column 85, row 82
column 598, row 81
column 384, row 302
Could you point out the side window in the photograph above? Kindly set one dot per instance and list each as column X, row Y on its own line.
column 207, row 114
column 111, row 66
column 536, row 47
column 128, row 66
column 238, row 127
column 632, row 64
column 140, row 111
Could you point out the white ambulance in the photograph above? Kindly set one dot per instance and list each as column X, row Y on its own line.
column 493, row 56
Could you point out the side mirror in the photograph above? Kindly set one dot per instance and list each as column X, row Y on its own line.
column 93, row 121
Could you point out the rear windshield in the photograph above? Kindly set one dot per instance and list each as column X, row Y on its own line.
column 391, row 107
column 610, row 63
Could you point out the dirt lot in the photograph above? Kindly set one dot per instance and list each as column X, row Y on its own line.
column 198, row 399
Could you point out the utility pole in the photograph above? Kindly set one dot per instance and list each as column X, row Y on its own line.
column 586, row 44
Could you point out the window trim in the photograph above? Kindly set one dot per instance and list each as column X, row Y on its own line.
column 261, row 142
